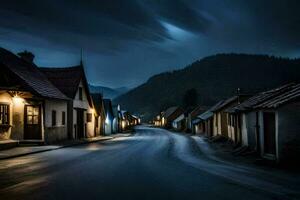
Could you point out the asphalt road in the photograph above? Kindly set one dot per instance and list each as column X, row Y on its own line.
column 151, row 164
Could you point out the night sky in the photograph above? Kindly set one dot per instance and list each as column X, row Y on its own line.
column 124, row 42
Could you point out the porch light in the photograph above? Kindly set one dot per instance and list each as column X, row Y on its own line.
column 18, row 100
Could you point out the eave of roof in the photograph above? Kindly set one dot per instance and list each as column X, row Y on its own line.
column 30, row 75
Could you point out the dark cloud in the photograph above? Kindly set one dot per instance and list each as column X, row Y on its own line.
column 125, row 41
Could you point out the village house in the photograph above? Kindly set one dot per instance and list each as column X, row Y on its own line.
column 192, row 116
column 270, row 123
column 32, row 109
column 179, row 123
column 110, row 119
column 221, row 119
column 81, row 114
column 170, row 115
column 203, row 123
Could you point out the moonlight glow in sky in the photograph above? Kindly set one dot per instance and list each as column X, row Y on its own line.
column 127, row 41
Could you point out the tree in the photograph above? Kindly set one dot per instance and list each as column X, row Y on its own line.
column 190, row 98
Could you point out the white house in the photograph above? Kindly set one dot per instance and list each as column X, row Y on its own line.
column 81, row 113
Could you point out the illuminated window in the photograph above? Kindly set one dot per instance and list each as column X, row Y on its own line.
column 4, row 114
column 33, row 114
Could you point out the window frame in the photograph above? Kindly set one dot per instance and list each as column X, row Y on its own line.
column 63, row 118
column 7, row 114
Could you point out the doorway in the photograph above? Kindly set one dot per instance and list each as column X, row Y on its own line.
column 269, row 133
column 80, row 123
column 32, row 122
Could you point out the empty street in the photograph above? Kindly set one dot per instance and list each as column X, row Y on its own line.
column 151, row 164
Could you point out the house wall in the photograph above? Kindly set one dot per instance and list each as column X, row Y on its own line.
column 244, row 130
column 217, row 124
column 17, row 130
column 16, row 115
column 90, row 126
column 231, row 131
column 288, row 129
column 89, row 130
column 250, row 125
column 59, row 131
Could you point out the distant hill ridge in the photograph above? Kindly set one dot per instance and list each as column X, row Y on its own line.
column 214, row 77
column 107, row 92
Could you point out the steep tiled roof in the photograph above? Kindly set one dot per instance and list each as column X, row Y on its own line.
column 67, row 79
column 30, row 75
column 285, row 97
column 169, row 111
column 267, row 96
column 208, row 114
column 224, row 103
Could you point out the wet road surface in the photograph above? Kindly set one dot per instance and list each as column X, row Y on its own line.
column 152, row 164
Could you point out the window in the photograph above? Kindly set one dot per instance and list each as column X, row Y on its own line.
column 4, row 114
column 33, row 114
column 89, row 117
column 53, row 117
column 80, row 93
column 63, row 118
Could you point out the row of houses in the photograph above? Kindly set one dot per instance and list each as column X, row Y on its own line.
column 46, row 105
column 267, row 123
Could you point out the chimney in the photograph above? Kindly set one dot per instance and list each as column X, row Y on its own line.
column 26, row 55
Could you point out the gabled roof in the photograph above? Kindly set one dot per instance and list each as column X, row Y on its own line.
column 267, row 96
column 208, row 114
column 179, row 118
column 169, row 111
column 292, row 94
column 224, row 103
column 30, row 75
column 197, row 111
column 237, row 98
column 67, row 79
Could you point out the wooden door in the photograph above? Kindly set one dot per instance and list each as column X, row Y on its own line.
column 32, row 122
column 269, row 133
column 80, row 123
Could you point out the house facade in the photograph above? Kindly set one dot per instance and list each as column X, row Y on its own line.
column 81, row 113
column 269, row 123
column 32, row 109
column 179, row 123
column 222, row 120
column 170, row 115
